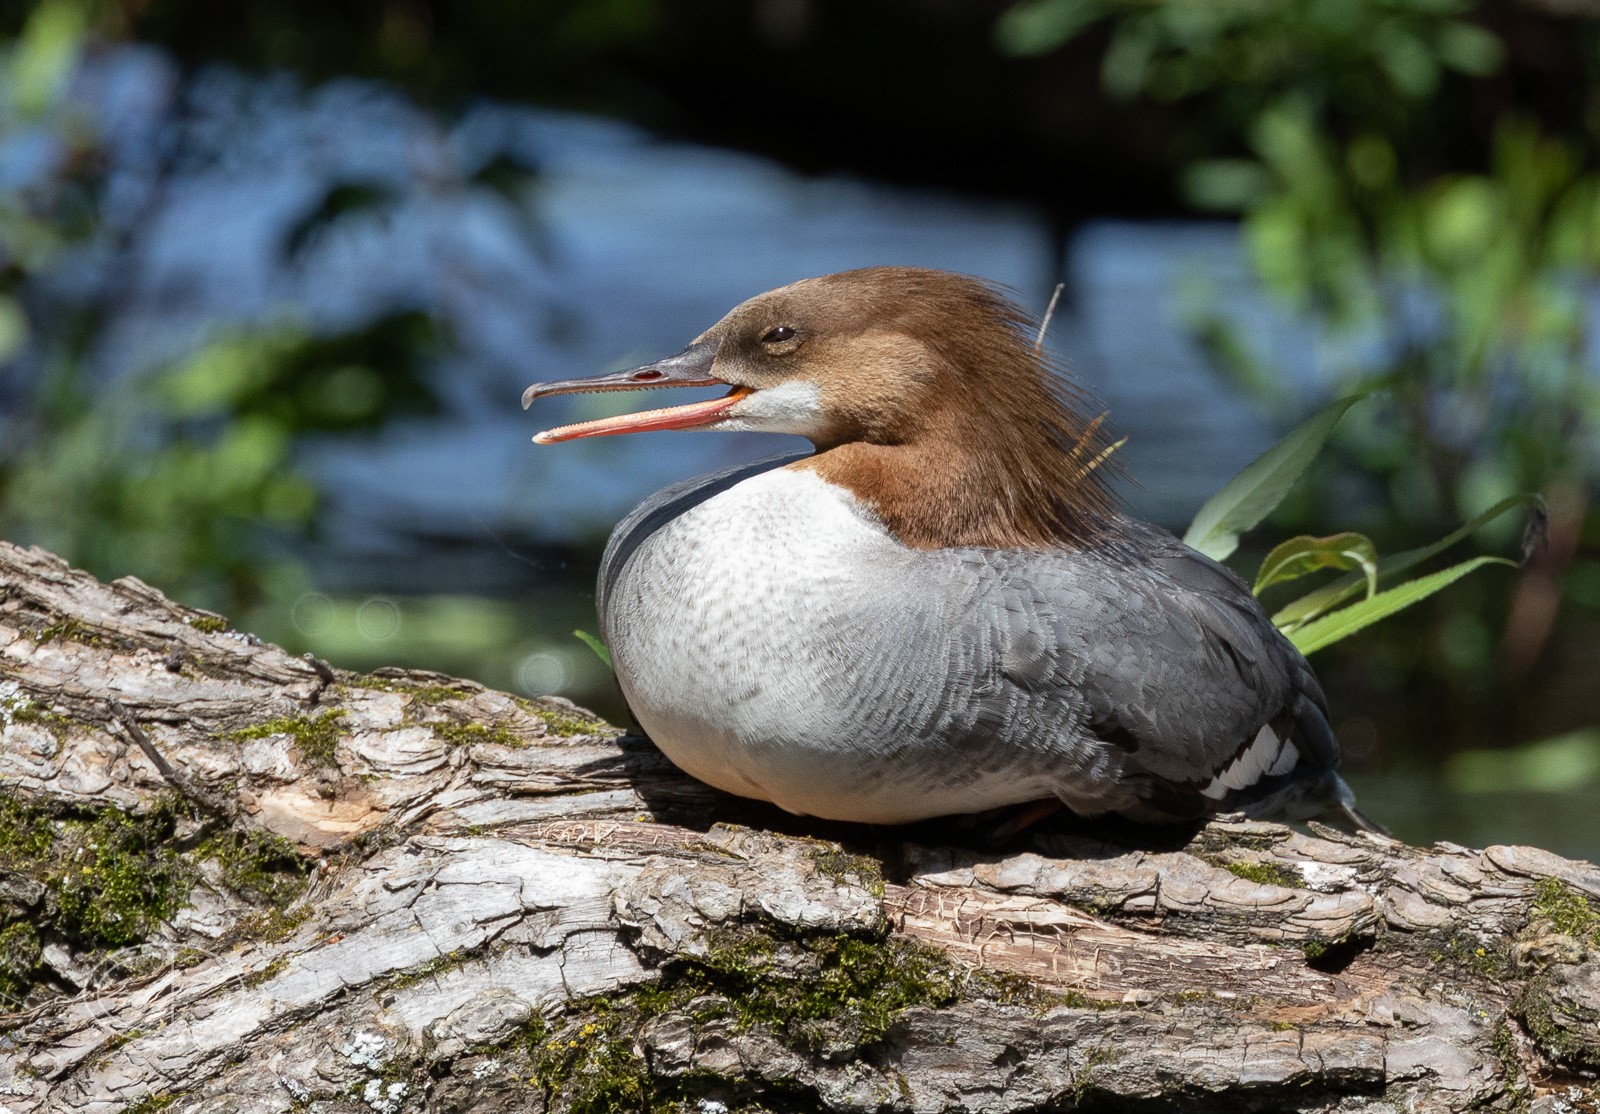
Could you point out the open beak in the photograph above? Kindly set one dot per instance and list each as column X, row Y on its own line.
column 689, row 368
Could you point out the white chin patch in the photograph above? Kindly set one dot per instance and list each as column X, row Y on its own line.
column 792, row 407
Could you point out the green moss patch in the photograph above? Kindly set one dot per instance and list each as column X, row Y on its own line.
column 208, row 624
column 316, row 738
column 1029, row 994
column 1487, row 960
column 19, row 962
column 426, row 693
column 472, row 734
column 1264, row 874
column 108, row 879
column 118, row 877
column 435, row 967
column 260, row 867
column 1504, row 1047
column 834, row 996
column 564, row 724
column 824, row 992
column 150, row 1104
column 1565, row 1026
column 1564, row 910
column 848, row 869
column 112, row 876
column 20, row 709
column 277, row 966
column 70, row 631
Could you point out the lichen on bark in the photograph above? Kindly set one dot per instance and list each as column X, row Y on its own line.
column 404, row 891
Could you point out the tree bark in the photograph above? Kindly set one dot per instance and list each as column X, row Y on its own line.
column 234, row 879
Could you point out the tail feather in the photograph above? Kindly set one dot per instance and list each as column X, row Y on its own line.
column 1361, row 822
column 1345, row 814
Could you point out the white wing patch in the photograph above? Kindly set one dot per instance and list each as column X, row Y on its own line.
column 1266, row 756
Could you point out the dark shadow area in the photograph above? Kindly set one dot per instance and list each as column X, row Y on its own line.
column 1333, row 958
column 674, row 797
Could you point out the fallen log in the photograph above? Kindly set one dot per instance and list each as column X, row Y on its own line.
column 234, row 879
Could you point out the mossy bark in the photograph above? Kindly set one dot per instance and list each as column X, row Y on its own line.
column 403, row 891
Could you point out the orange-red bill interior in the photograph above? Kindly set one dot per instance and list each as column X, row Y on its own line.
column 693, row 415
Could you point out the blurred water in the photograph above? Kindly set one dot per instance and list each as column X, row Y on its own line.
column 622, row 247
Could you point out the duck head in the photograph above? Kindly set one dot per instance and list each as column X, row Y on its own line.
column 924, row 393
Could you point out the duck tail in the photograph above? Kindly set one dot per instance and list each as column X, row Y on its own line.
column 1343, row 811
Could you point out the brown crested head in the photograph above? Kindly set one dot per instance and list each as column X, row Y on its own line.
column 924, row 392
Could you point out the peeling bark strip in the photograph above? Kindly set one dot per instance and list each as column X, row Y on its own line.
column 402, row 891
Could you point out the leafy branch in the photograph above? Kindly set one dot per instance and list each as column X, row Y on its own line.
column 1325, row 615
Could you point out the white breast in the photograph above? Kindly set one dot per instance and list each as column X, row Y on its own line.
column 757, row 632
column 719, row 624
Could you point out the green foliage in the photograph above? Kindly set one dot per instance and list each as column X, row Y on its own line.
column 601, row 650
column 560, row 51
column 1310, row 622
column 1253, row 494
column 185, row 475
column 1329, row 629
column 189, row 474
column 43, row 56
column 1462, row 295
column 1300, row 556
column 1303, row 610
column 180, row 477
column 1362, row 59
column 1468, row 289
column 34, row 68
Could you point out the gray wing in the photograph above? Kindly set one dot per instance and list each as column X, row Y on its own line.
column 1164, row 657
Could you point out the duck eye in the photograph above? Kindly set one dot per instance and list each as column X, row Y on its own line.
column 778, row 335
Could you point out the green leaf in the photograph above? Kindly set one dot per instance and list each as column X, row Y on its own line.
column 1303, row 555
column 1329, row 596
column 1254, row 493
column 44, row 55
column 1460, row 220
column 1040, row 26
column 599, row 648
column 1470, row 49
column 1345, row 622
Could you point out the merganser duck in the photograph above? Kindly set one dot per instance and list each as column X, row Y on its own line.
column 941, row 610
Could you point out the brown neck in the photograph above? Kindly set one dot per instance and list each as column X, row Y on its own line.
column 1019, row 476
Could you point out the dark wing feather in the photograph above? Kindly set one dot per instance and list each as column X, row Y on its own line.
column 1179, row 670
